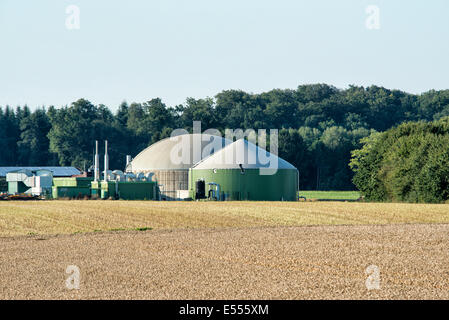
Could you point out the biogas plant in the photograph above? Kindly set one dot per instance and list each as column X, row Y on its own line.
column 185, row 167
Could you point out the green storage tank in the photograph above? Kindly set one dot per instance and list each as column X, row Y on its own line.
column 238, row 172
column 174, row 175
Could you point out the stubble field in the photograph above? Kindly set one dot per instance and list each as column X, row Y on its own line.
column 236, row 250
column 68, row 217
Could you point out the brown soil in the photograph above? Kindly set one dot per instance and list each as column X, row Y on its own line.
column 320, row 262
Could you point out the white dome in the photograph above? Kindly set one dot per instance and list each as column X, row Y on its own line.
column 176, row 153
column 245, row 153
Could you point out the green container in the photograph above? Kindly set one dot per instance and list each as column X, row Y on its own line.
column 61, row 192
column 72, row 182
column 138, row 190
column 251, row 185
column 73, row 188
column 132, row 190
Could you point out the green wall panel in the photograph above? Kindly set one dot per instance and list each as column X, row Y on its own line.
column 61, row 192
column 249, row 186
column 72, row 182
column 135, row 190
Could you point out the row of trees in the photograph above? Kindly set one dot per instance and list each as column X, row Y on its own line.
column 407, row 163
column 319, row 126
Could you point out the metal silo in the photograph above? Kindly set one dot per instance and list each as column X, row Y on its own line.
column 239, row 172
column 169, row 160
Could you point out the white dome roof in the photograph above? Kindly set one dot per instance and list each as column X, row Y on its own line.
column 177, row 153
column 245, row 153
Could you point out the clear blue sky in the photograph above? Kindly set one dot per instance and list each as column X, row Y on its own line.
column 137, row 50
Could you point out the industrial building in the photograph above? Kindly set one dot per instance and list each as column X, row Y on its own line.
column 21, row 179
column 186, row 167
column 87, row 188
column 173, row 176
column 109, row 185
column 237, row 173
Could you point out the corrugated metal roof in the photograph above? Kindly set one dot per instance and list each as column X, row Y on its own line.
column 57, row 171
column 245, row 153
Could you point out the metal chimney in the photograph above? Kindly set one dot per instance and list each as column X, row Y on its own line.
column 106, row 160
column 97, row 163
column 128, row 161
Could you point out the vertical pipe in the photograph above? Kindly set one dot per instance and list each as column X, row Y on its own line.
column 297, row 185
column 106, row 160
column 97, row 163
column 128, row 162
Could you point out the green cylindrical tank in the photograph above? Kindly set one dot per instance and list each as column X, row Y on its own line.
column 243, row 171
column 250, row 185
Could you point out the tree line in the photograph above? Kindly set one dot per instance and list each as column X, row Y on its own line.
column 408, row 163
column 319, row 126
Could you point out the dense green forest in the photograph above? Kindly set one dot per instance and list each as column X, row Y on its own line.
column 407, row 163
column 319, row 126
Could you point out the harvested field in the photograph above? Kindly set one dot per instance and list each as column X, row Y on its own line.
column 68, row 217
column 232, row 263
column 216, row 250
